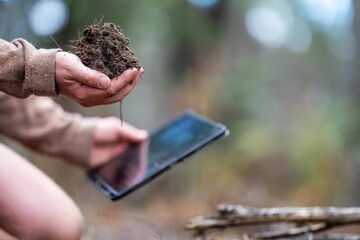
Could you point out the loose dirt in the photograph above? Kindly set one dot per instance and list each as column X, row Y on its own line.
column 106, row 49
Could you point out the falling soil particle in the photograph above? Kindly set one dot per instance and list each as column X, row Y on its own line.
column 106, row 49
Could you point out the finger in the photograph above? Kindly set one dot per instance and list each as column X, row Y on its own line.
column 102, row 154
column 129, row 133
column 90, row 77
column 113, row 99
column 87, row 93
column 124, row 91
column 120, row 95
column 121, row 81
column 102, row 98
column 118, row 82
column 138, row 76
column 98, row 95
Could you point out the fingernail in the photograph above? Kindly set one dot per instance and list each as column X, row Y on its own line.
column 104, row 82
column 144, row 134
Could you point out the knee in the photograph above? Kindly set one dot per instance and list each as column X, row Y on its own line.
column 71, row 225
column 68, row 226
column 34, row 206
column 67, row 223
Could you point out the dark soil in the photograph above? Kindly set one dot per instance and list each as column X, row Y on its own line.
column 106, row 49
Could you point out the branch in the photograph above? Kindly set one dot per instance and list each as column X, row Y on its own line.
column 306, row 219
column 309, row 229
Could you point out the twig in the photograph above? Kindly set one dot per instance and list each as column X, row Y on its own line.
column 121, row 115
column 56, row 43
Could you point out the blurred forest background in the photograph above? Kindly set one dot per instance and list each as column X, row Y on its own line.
column 282, row 75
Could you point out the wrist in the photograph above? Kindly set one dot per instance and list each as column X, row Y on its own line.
column 57, row 71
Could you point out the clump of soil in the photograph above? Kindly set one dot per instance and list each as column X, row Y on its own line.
column 106, row 49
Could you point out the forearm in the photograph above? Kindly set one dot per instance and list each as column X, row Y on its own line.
column 25, row 70
column 39, row 123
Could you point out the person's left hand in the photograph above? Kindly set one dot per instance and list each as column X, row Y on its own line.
column 89, row 87
column 112, row 137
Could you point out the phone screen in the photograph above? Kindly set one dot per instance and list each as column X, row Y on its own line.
column 165, row 147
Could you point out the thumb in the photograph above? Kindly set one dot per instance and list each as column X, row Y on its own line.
column 132, row 134
column 90, row 77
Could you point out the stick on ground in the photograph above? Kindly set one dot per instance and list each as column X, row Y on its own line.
column 301, row 220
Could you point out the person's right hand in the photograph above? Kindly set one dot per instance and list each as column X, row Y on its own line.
column 111, row 137
column 89, row 87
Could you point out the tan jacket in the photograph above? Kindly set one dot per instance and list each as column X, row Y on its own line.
column 38, row 123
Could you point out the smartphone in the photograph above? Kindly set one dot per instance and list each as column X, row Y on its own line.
column 170, row 144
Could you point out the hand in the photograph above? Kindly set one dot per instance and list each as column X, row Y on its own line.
column 111, row 137
column 89, row 87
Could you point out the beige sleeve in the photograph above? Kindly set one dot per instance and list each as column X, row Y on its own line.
column 41, row 124
column 26, row 71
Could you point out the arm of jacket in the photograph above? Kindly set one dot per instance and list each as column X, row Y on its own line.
column 25, row 70
column 41, row 124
